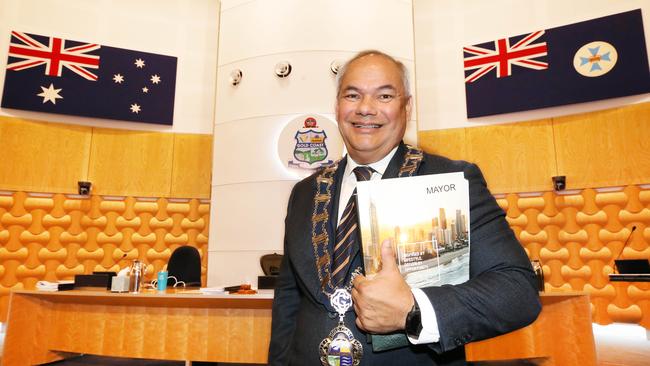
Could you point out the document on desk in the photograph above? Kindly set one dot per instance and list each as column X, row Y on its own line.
column 54, row 286
column 212, row 290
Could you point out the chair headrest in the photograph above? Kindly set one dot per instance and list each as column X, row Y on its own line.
column 271, row 264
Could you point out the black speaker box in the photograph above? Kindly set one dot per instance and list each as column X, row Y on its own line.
column 97, row 280
column 266, row 282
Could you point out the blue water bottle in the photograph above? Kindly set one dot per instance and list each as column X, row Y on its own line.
column 162, row 280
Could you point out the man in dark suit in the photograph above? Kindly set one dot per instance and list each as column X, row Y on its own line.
column 373, row 107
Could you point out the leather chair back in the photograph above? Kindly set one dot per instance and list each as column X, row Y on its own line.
column 185, row 265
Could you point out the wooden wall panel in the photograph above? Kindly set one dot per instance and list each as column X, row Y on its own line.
column 577, row 235
column 450, row 143
column 131, row 163
column 516, row 157
column 192, row 171
column 43, row 157
column 605, row 148
column 54, row 237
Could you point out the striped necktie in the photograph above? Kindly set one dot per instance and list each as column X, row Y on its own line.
column 346, row 232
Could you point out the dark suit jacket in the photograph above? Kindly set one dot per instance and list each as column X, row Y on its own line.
column 500, row 296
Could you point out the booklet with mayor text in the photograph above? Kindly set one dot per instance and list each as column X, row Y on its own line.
column 426, row 219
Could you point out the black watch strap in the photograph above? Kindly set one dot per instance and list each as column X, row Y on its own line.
column 413, row 325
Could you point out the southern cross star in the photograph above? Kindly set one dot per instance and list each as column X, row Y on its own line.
column 135, row 108
column 50, row 94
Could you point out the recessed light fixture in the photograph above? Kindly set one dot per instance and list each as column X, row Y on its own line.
column 335, row 66
column 235, row 76
column 283, row 69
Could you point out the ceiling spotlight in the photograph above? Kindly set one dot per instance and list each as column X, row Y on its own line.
column 283, row 69
column 335, row 66
column 235, row 76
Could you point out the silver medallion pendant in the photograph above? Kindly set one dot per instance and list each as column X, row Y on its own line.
column 340, row 348
column 341, row 301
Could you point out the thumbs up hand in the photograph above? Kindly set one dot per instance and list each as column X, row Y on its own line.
column 382, row 303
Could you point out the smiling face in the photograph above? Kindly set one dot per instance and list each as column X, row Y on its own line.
column 372, row 108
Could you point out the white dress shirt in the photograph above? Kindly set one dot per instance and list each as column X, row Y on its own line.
column 430, row 332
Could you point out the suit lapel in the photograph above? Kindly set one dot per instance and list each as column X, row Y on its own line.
column 392, row 170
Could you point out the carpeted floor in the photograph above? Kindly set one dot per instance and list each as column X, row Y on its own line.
column 622, row 345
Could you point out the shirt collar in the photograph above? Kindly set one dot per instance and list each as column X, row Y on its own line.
column 378, row 166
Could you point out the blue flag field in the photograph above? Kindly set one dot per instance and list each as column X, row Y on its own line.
column 591, row 60
column 54, row 75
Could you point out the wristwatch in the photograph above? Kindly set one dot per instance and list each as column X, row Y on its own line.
column 413, row 325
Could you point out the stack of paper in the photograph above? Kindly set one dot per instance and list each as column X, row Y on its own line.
column 51, row 286
column 211, row 290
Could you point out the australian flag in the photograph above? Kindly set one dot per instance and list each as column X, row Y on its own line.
column 54, row 75
column 591, row 60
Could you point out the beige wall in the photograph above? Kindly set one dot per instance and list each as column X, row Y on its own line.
column 251, row 184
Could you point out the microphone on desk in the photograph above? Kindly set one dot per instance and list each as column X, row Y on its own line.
column 124, row 271
column 626, row 240
column 629, row 265
column 122, row 257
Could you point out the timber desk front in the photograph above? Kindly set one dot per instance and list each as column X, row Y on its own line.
column 48, row 326
column 178, row 325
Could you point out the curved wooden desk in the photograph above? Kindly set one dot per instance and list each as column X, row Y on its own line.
column 46, row 326
column 561, row 335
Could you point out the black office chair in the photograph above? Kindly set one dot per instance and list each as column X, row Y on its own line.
column 271, row 264
column 185, row 265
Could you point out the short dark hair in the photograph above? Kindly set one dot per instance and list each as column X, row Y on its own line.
column 404, row 74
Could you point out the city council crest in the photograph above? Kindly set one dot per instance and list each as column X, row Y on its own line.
column 308, row 143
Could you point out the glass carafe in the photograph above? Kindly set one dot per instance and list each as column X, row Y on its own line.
column 137, row 273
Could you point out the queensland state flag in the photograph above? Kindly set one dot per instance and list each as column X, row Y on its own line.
column 591, row 60
column 54, row 75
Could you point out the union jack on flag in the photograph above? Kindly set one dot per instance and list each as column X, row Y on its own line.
column 501, row 56
column 55, row 56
